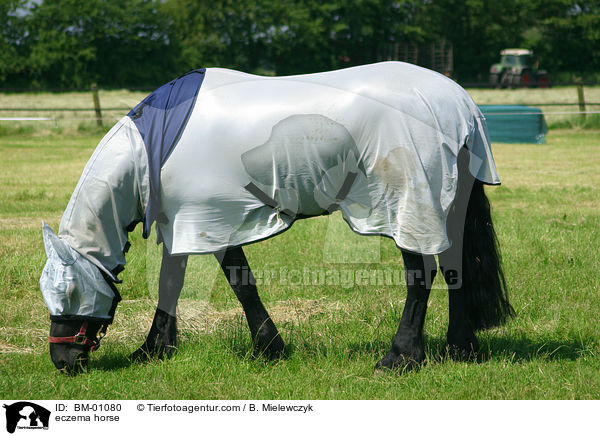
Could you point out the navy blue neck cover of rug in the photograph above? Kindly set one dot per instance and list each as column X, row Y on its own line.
column 161, row 119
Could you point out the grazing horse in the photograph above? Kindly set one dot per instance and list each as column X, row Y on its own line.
column 220, row 159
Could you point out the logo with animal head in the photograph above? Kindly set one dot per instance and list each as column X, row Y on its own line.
column 26, row 415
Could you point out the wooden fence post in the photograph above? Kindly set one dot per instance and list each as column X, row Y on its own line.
column 97, row 104
column 581, row 98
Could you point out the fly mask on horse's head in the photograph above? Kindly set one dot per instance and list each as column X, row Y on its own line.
column 80, row 299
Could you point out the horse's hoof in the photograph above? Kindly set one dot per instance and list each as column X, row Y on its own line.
column 271, row 350
column 463, row 353
column 140, row 355
column 145, row 353
column 400, row 363
column 461, row 349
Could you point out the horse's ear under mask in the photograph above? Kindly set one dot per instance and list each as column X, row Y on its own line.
column 55, row 247
column 73, row 287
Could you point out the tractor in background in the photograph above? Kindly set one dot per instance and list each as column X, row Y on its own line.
column 518, row 68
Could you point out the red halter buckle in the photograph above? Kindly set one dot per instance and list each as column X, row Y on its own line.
column 80, row 338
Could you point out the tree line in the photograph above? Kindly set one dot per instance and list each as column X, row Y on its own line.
column 143, row 43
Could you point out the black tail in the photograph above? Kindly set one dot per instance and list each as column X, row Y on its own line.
column 482, row 276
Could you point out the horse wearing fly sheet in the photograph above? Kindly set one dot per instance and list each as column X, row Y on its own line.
column 220, row 159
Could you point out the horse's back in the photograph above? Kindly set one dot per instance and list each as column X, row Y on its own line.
column 398, row 85
column 378, row 142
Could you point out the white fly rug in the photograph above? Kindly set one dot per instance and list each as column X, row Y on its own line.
column 378, row 142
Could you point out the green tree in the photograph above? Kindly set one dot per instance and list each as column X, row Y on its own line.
column 361, row 27
column 114, row 43
column 12, row 47
column 143, row 43
column 226, row 33
column 289, row 36
column 569, row 35
column 478, row 30
column 251, row 35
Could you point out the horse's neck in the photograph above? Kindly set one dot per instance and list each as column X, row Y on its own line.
column 108, row 200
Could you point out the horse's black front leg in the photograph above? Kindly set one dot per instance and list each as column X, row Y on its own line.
column 408, row 350
column 266, row 338
column 162, row 338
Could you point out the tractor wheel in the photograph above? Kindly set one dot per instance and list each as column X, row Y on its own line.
column 494, row 80
column 515, row 81
column 526, row 79
column 505, row 80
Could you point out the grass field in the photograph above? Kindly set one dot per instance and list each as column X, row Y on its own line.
column 547, row 216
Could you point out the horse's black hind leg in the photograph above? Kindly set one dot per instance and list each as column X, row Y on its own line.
column 462, row 342
column 162, row 338
column 408, row 350
column 266, row 338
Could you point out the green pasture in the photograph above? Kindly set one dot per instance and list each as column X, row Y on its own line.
column 336, row 315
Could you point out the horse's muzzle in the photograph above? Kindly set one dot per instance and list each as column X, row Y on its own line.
column 71, row 356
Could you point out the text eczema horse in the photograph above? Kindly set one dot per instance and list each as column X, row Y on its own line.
column 220, row 159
